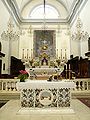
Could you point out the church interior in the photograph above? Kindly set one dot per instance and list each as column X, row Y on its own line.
column 44, row 60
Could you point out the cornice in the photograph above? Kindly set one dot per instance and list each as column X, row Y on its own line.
column 14, row 11
column 39, row 21
column 75, row 12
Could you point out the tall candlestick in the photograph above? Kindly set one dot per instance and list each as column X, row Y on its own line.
column 22, row 53
column 27, row 53
column 61, row 54
column 57, row 53
column 66, row 66
column 31, row 53
column 65, row 55
column 66, row 71
column 69, row 66
column 69, row 72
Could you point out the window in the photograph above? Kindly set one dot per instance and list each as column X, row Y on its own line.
column 38, row 12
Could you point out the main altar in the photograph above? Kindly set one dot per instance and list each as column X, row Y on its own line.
column 45, row 94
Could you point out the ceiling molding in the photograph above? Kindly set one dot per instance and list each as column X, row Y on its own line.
column 39, row 21
column 61, row 2
column 14, row 10
column 77, row 9
column 74, row 10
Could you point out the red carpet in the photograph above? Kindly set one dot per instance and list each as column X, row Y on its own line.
column 86, row 101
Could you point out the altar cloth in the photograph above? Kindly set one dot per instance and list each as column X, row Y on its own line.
column 42, row 84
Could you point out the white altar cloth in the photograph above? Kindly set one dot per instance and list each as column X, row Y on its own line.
column 42, row 84
column 44, row 70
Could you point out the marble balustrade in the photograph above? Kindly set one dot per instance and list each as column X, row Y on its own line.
column 82, row 84
column 10, row 84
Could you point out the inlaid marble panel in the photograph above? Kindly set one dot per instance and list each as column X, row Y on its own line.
column 45, row 98
column 27, row 98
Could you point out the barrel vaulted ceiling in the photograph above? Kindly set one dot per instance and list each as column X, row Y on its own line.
column 20, row 9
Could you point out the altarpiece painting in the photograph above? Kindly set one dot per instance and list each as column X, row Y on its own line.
column 44, row 43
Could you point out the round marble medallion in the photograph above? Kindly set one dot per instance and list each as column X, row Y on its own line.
column 45, row 97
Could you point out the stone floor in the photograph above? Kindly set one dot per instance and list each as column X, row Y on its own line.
column 10, row 112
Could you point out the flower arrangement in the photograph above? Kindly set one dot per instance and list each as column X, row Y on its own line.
column 23, row 75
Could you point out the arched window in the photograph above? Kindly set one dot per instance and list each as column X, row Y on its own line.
column 38, row 12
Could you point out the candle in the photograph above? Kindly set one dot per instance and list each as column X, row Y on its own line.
column 31, row 54
column 61, row 54
column 22, row 53
column 57, row 53
column 69, row 72
column 65, row 55
column 66, row 66
column 69, row 66
column 27, row 53
column 66, row 71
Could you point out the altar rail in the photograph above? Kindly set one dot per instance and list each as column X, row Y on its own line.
column 10, row 84
column 82, row 84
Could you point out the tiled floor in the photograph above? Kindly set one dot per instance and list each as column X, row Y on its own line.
column 9, row 112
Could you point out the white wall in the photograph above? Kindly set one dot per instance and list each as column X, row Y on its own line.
column 4, row 18
column 26, row 42
column 85, row 18
column 63, row 42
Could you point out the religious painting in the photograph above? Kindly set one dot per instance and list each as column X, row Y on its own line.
column 44, row 43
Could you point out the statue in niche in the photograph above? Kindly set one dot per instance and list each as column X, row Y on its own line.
column 44, row 61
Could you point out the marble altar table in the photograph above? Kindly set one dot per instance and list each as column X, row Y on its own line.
column 44, row 94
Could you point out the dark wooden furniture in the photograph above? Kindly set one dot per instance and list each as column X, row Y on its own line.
column 80, row 67
column 16, row 66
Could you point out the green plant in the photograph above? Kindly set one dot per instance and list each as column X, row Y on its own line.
column 23, row 75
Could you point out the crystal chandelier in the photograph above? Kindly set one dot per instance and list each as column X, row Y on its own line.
column 79, row 34
column 9, row 35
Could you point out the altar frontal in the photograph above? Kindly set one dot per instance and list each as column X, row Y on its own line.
column 44, row 94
